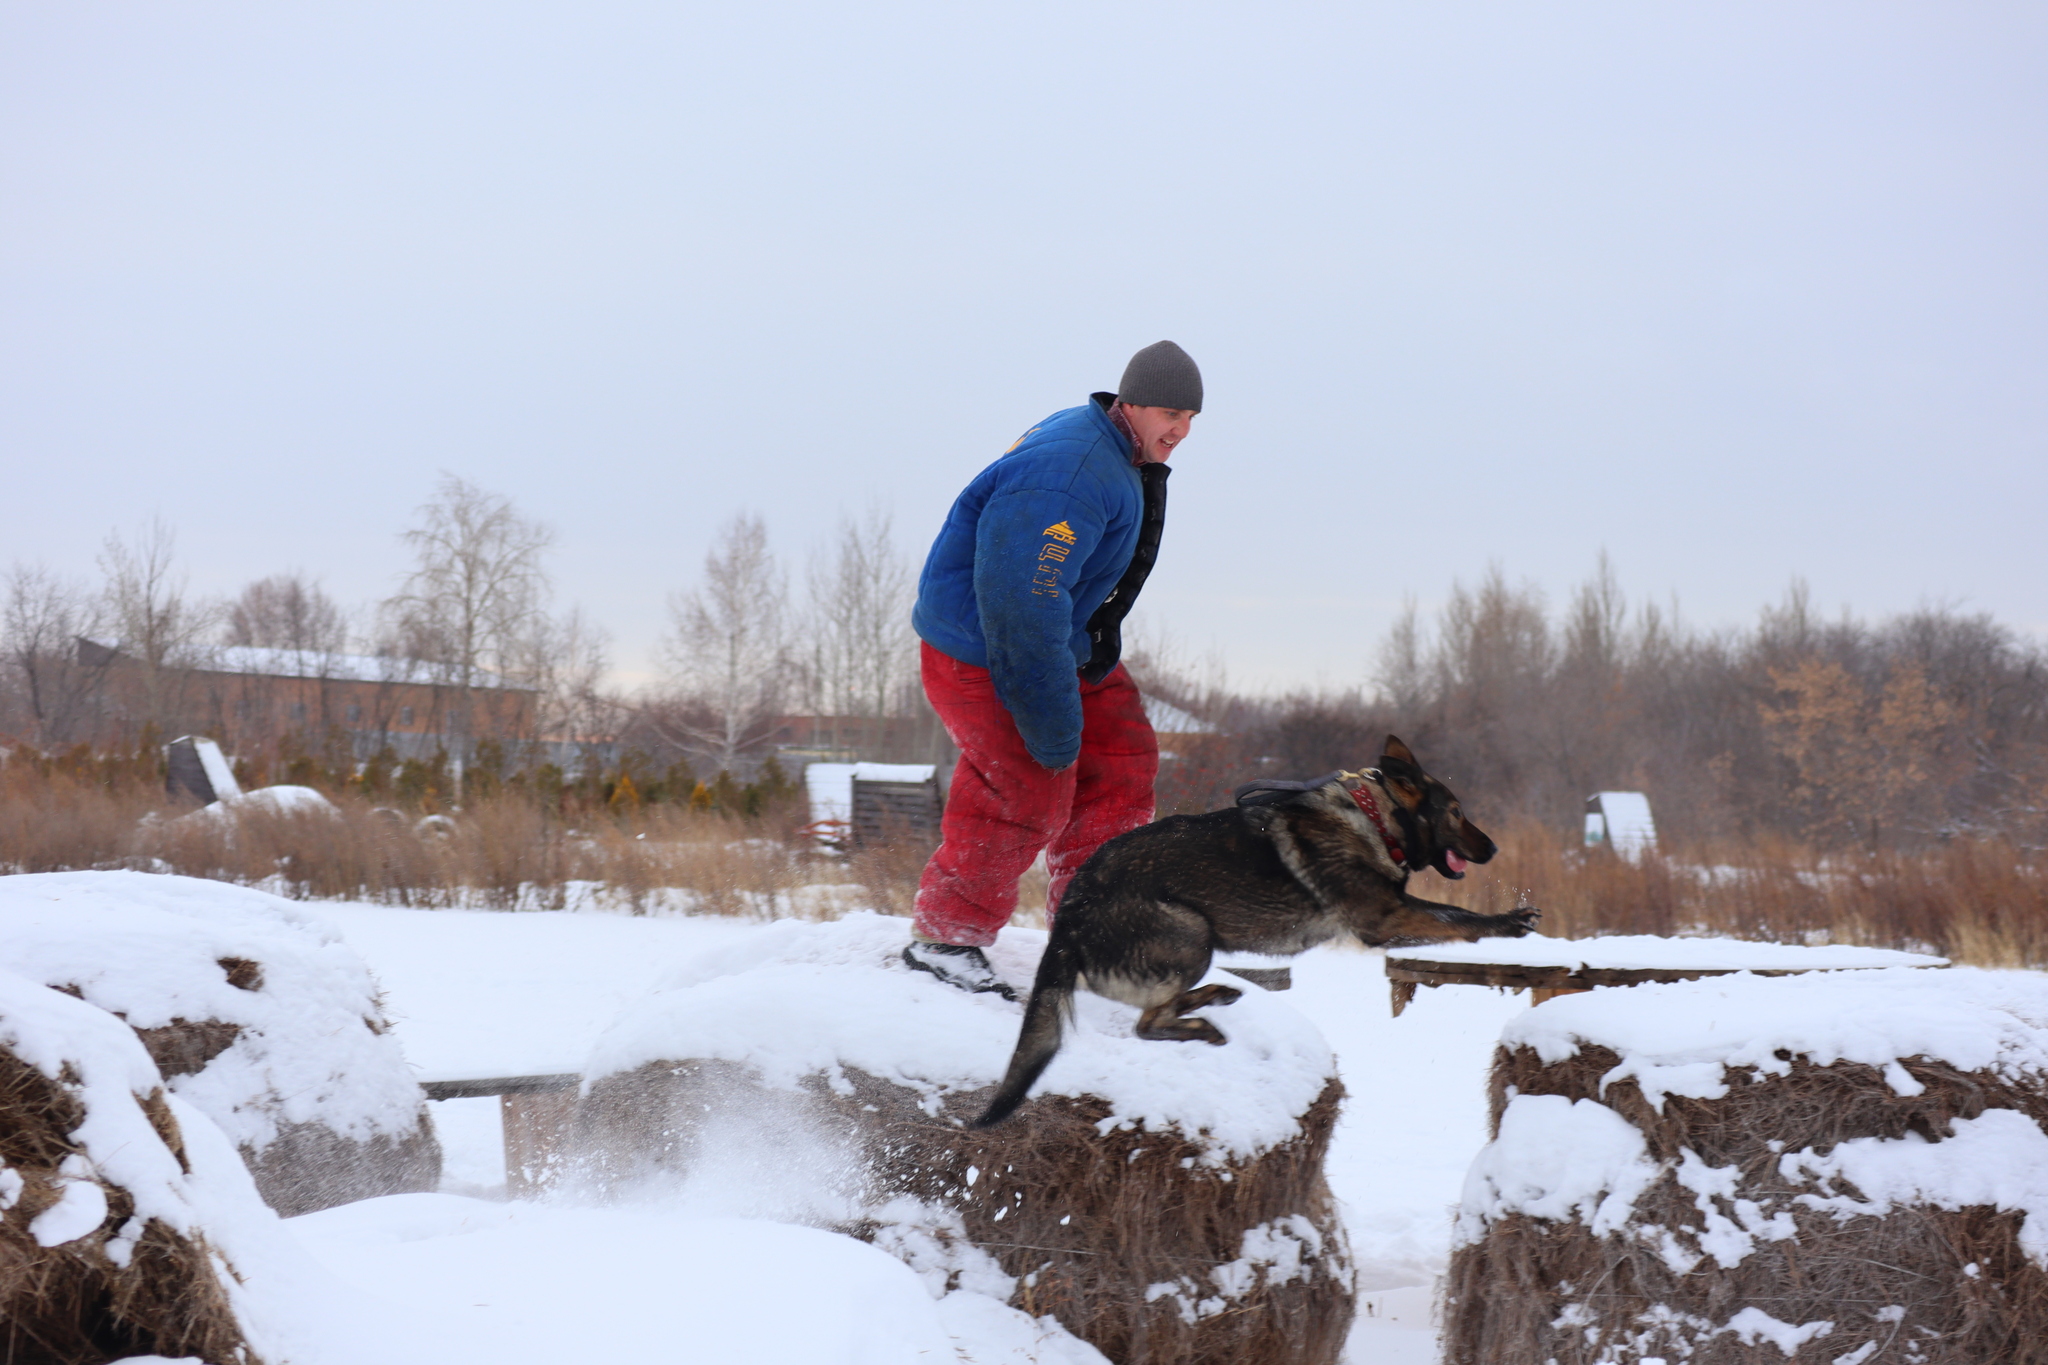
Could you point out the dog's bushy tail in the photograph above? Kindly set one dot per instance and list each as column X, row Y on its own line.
column 1045, row 1020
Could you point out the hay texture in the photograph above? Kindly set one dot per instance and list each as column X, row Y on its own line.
column 1845, row 1167
column 1163, row 1202
column 103, row 1248
column 254, row 1011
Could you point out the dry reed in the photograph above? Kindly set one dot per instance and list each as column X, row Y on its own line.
column 1982, row 902
column 504, row 851
column 1977, row 901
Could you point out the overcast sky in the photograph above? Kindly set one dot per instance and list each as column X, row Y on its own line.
column 1737, row 291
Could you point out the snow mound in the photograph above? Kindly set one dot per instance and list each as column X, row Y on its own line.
column 553, row 1280
column 803, row 999
column 253, row 1008
column 1652, row 952
column 274, row 801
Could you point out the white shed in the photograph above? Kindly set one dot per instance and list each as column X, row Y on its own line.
column 1621, row 820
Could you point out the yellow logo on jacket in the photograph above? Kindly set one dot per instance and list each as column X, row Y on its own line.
column 1045, row 582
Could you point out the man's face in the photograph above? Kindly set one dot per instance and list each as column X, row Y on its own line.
column 1159, row 430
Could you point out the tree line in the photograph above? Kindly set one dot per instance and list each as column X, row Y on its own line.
column 1922, row 727
column 1926, row 726
column 102, row 666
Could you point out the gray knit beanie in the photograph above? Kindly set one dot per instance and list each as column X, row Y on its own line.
column 1161, row 376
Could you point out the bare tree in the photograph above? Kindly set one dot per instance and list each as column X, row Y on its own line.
column 161, row 630
column 728, row 646
column 476, row 594
column 860, row 648
column 287, row 611
column 44, row 619
column 1403, row 675
column 565, row 661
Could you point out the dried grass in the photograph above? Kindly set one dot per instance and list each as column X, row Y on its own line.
column 1981, row 902
column 1087, row 1220
column 1960, row 1289
column 505, row 851
column 73, row 1304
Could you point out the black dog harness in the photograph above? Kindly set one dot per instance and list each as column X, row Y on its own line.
column 1268, row 790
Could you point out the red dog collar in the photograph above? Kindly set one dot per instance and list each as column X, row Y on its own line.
column 1363, row 799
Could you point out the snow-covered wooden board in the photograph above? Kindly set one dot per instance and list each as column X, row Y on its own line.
column 1557, row 966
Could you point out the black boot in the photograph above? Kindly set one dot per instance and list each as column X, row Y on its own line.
column 957, row 964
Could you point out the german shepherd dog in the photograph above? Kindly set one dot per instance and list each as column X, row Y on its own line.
column 1290, row 865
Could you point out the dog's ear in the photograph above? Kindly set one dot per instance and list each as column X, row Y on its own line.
column 1404, row 791
column 1397, row 752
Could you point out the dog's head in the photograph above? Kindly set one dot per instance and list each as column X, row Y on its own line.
column 1439, row 835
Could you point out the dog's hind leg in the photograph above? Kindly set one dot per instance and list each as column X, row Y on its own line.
column 1216, row 994
column 1163, row 1023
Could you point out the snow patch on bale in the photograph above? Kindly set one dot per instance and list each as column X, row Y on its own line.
column 103, row 1248
column 256, row 1013
column 1847, row 1166
column 1162, row 1202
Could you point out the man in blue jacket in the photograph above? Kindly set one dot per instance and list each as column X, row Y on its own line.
column 1020, row 608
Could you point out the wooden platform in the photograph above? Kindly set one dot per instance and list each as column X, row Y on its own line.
column 536, row 1111
column 1544, row 983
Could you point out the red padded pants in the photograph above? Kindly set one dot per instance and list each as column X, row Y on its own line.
column 1003, row 807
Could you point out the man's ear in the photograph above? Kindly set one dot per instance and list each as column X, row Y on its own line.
column 1397, row 751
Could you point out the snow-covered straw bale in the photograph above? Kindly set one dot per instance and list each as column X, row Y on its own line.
column 104, row 1245
column 1844, row 1166
column 256, row 1014
column 1162, row 1201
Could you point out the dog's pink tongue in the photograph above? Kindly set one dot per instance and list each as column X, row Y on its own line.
column 1453, row 861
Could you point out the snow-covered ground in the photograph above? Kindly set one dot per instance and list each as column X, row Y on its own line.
column 489, row 994
column 730, row 1266
column 461, row 1281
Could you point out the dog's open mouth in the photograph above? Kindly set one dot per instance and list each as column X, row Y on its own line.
column 1454, row 863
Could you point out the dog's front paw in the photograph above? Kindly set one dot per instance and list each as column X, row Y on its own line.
column 1519, row 921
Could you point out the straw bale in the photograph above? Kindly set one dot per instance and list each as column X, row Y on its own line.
column 303, row 1167
column 1135, row 1240
column 309, row 1166
column 117, row 1291
column 253, row 1010
column 1917, row 1284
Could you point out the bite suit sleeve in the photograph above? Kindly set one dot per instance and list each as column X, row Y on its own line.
column 1029, row 545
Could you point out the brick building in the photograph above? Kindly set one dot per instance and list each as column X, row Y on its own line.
column 257, row 702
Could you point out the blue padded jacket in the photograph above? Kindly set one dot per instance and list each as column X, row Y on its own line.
column 1028, row 553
